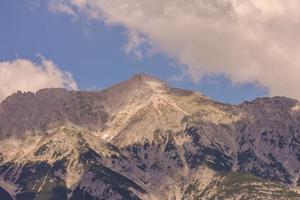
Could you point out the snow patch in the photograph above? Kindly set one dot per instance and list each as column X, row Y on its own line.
column 296, row 108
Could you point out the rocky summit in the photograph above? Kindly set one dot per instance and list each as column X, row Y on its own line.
column 142, row 139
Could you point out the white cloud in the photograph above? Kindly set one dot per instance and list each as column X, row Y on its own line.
column 254, row 41
column 24, row 75
column 61, row 7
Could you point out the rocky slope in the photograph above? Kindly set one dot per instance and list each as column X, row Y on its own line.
column 142, row 139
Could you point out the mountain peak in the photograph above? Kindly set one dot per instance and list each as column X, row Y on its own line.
column 144, row 80
column 144, row 77
column 138, row 87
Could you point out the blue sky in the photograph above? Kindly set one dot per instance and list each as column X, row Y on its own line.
column 94, row 52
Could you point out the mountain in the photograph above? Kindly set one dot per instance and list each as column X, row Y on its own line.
column 142, row 139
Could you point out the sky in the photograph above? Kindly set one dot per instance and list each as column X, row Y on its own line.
column 229, row 50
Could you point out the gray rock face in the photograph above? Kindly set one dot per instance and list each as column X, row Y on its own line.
column 49, row 108
column 142, row 139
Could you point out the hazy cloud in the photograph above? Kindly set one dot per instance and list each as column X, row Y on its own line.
column 253, row 41
column 61, row 7
column 24, row 75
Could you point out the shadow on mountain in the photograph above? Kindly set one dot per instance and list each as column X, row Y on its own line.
column 4, row 195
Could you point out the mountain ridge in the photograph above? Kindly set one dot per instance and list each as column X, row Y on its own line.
column 142, row 139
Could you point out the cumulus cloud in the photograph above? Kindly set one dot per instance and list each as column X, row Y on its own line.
column 24, row 75
column 247, row 41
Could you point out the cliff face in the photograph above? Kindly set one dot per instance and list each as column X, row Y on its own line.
column 142, row 139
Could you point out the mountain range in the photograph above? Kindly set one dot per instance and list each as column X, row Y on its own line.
column 143, row 139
